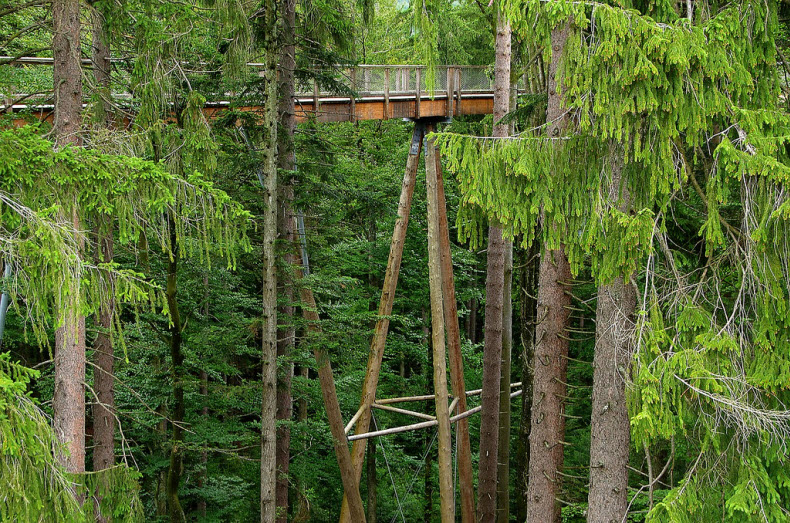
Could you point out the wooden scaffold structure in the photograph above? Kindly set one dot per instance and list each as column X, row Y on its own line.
column 450, row 408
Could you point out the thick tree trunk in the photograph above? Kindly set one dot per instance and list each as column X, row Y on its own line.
column 176, row 468
column 503, row 465
column 610, row 432
column 551, row 346
column 267, row 31
column 286, row 162
column 495, row 274
column 67, row 72
column 528, row 316
column 68, row 402
column 379, row 340
column 446, row 491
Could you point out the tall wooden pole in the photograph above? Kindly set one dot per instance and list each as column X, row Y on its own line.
column 465, row 475
column 437, row 333
column 385, row 308
column 351, row 497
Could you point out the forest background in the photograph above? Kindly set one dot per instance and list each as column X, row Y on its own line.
column 187, row 392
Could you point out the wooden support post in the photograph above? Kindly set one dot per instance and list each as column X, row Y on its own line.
column 348, row 476
column 446, row 491
column 385, row 306
column 316, row 98
column 465, row 473
column 418, row 92
column 387, row 93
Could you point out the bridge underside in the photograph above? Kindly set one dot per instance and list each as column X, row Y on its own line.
column 345, row 109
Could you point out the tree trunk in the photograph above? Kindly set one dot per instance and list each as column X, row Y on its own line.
column 103, row 377
column 176, row 468
column 103, row 416
column 610, row 431
column 267, row 31
column 286, row 162
column 66, row 71
column 495, row 274
column 372, row 481
column 446, row 491
column 503, row 465
column 551, row 347
column 528, row 304
column 68, row 402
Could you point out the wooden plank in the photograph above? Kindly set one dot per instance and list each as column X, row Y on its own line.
column 376, row 354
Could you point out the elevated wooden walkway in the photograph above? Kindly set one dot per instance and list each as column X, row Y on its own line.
column 380, row 92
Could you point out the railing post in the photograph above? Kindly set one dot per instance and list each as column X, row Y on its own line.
column 418, row 94
column 458, row 90
column 449, row 82
column 386, row 93
column 353, row 115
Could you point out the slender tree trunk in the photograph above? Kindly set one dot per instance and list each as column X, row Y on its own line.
column 176, row 468
column 527, row 303
column 372, row 481
column 267, row 32
column 472, row 332
column 203, row 474
column 68, row 402
column 503, row 465
column 495, row 281
column 103, row 381
column 551, row 345
column 610, row 432
column 286, row 162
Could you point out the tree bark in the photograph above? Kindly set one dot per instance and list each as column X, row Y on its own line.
column 286, row 162
column 176, row 468
column 267, row 32
column 528, row 317
column 385, row 307
column 446, row 491
column 503, row 464
column 492, row 352
column 610, row 431
column 103, row 415
column 66, row 71
column 551, row 346
column 68, row 402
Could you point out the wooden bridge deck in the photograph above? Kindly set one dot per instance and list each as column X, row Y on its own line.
column 380, row 93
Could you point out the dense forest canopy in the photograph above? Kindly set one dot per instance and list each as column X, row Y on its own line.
column 218, row 279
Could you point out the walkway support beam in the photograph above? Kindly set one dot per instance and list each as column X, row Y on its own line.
column 378, row 343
